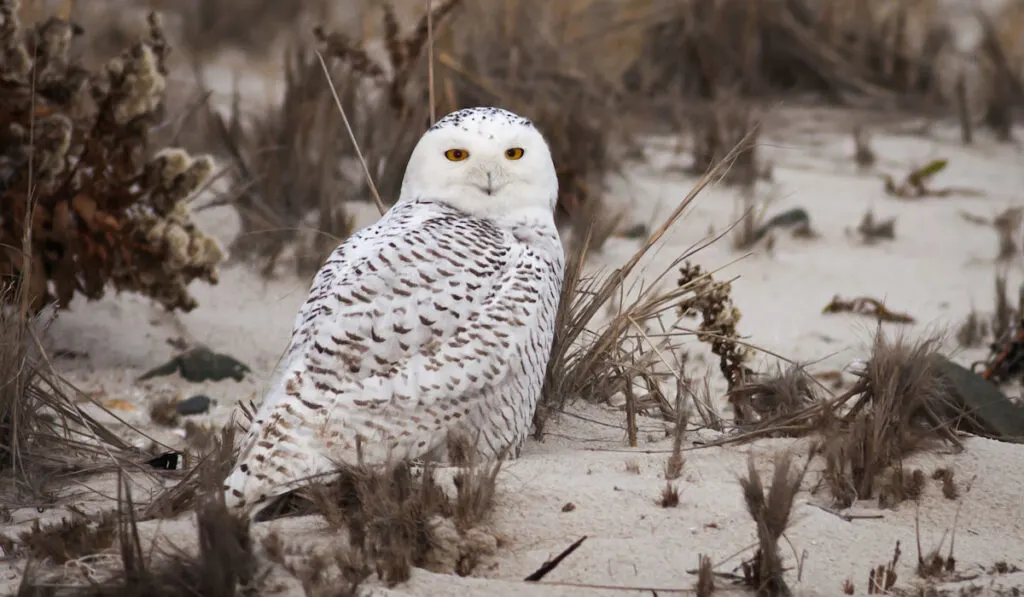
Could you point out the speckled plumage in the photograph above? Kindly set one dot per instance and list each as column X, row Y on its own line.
column 440, row 315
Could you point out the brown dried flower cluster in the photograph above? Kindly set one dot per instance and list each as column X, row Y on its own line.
column 712, row 300
column 79, row 184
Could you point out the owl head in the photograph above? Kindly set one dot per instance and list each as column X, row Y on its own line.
column 487, row 162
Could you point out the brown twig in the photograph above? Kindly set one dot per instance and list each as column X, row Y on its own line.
column 848, row 517
column 553, row 563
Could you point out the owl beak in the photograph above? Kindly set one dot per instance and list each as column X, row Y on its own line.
column 489, row 187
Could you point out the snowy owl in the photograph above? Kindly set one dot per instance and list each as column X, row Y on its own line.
column 438, row 317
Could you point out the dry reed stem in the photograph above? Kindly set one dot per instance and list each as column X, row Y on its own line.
column 351, row 135
column 430, row 62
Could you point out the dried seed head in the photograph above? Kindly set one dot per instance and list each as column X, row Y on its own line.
column 168, row 164
column 139, row 89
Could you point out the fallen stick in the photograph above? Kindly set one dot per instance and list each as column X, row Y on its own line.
column 553, row 563
column 847, row 517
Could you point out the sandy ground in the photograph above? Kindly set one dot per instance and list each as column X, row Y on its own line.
column 937, row 269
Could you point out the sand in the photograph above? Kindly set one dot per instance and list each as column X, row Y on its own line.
column 937, row 269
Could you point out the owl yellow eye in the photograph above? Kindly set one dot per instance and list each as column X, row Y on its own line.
column 514, row 153
column 456, row 155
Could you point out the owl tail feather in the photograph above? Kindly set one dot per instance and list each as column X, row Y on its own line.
column 279, row 454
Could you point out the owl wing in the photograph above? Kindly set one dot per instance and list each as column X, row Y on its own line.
column 406, row 324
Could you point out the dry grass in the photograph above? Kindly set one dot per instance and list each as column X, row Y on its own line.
column 883, row 577
column 224, row 566
column 768, row 398
column 395, row 518
column 903, row 404
column 70, row 539
column 210, row 467
column 593, row 359
column 396, row 521
column 676, row 461
column 723, row 125
column 934, row 565
column 287, row 160
column 294, row 167
column 44, row 436
column 752, row 214
column 872, row 231
column 1002, row 57
column 945, row 476
column 898, row 484
column 972, row 331
column 835, row 49
column 164, row 411
column 875, row 52
column 338, row 574
column 286, row 163
column 669, row 496
column 201, row 28
column 705, row 577
column 1001, row 329
column 863, row 155
column 253, row 26
column 564, row 92
column 1005, row 317
column 387, row 516
column 771, row 513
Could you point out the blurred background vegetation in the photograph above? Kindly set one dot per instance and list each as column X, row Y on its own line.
column 240, row 83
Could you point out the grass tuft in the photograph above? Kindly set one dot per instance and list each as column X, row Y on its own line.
column 224, row 565
column 901, row 404
column 771, row 512
column 44, row 434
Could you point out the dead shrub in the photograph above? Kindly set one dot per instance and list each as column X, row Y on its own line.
column 712, row 301
column 79, row 177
